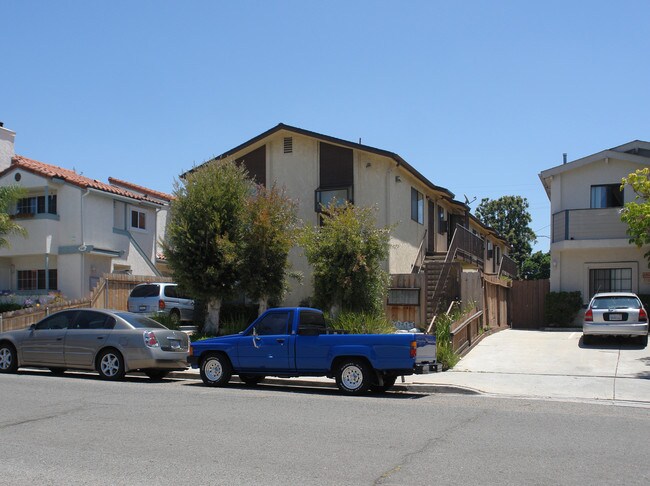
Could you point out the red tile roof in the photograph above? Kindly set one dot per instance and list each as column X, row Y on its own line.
column 144, row 190
column 70, row 176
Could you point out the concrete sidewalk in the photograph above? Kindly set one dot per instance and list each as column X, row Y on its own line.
column 530, row 364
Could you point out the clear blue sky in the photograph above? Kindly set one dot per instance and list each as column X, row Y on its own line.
column 479, row 96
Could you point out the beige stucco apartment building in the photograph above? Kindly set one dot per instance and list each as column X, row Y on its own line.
column 314, row 168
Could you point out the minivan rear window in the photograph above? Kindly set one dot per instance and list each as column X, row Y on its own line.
column 150, row 290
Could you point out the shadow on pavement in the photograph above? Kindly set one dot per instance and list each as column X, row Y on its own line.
column 304, row 390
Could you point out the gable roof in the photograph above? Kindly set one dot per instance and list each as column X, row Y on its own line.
column 636, row 151
column 338, row 141
column 54, row 172
column 140, row 189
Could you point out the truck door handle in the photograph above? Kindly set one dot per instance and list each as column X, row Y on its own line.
column 100, row 337
column 280, row 340
column 59, row 339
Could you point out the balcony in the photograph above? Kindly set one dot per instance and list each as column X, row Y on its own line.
column 466, row 246
column 508, row 267
column 588, row 224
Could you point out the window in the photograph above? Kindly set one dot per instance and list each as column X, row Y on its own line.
column 404, row 297
column 417, row 206
column 272, row 324
column 35, row 280
column 325, row 196
column 93, row 320
column 609, row 280
column 312, row 323
column 36, row 205
column 60, row 320
column 138, row 219
column 255, row 164
column 606, row 196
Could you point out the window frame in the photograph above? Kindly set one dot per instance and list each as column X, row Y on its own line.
column 613, row 194
column 141, row 220
column 417, row 206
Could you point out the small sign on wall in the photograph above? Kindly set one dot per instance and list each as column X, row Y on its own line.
column 646, row 277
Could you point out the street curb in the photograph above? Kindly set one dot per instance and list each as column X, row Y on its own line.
column 398, row 387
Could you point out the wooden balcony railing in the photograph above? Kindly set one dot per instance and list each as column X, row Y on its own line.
column 465, row 245
column 508, row 267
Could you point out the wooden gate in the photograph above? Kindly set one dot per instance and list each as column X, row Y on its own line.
column 527, row 299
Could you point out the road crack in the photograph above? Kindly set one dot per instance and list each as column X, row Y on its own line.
column 441, row 438
column 7, row 425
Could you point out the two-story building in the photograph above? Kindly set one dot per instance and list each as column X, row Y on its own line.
column 78, row 228
column 590, row 249
column 427, row 221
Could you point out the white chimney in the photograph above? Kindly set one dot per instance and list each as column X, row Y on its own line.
column 7, row 138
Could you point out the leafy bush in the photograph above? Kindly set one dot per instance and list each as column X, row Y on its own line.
column 234, row 323
column 445, row 353
column 362, row 323
column 9, row 306
column 166, row 320
column 561, row 308
column 645, row 299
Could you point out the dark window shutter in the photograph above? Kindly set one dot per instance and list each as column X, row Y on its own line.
column 335, row 166
column 255, row 164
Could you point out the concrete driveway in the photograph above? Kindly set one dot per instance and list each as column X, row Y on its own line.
column 552, row 364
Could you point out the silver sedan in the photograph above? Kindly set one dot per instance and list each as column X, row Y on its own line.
column 110, row 342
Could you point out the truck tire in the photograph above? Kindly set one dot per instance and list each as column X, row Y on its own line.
column 353, row 377
column 216, row 370
column 389, row 381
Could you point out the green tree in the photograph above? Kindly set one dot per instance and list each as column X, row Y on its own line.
column 9, row 195
column 347, row 253
column 509, row 216
column 636, row 214
column 205, row 234
column 537, row 266
column 270, row 233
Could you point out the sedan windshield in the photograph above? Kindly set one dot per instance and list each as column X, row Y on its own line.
column 616, row 303
column 140, row 322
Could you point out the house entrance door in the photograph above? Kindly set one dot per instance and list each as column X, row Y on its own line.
column 431, row 230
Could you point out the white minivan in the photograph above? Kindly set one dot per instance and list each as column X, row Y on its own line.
column 161, row 298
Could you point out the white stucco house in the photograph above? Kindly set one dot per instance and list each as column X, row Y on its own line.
column 590, row 249
column 314, row 168
column 78, row 228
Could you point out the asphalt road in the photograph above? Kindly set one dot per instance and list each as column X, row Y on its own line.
column 77, row 429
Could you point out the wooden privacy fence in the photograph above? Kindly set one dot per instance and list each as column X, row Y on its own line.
column 113, row 289
column 496, row 293
column 466, row 331
column 112, row 292
column 527, row 298
column 407, row 299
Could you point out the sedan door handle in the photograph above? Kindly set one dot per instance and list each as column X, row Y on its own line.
column 100, row 337
column 59, row 339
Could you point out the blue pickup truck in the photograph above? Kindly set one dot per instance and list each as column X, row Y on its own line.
column 296, row 341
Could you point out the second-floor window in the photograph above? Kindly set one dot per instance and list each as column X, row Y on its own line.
column 36, row 205
column 417, row 206
column 606, row 196
column 138, row 219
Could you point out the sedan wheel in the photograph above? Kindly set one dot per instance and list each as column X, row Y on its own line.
column 8, row 361
column 111, row 365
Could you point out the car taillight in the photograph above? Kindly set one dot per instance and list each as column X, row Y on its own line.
column 589, row 316
column 150, row 339
column 643, row 316
column 161, row 305
column 414, row 349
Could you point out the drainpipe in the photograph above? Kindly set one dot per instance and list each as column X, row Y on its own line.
column 83, row 243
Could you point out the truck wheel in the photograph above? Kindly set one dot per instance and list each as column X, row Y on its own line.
column 353, row 377
column 389, row 381
column 216, row 370
column 251, row 380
